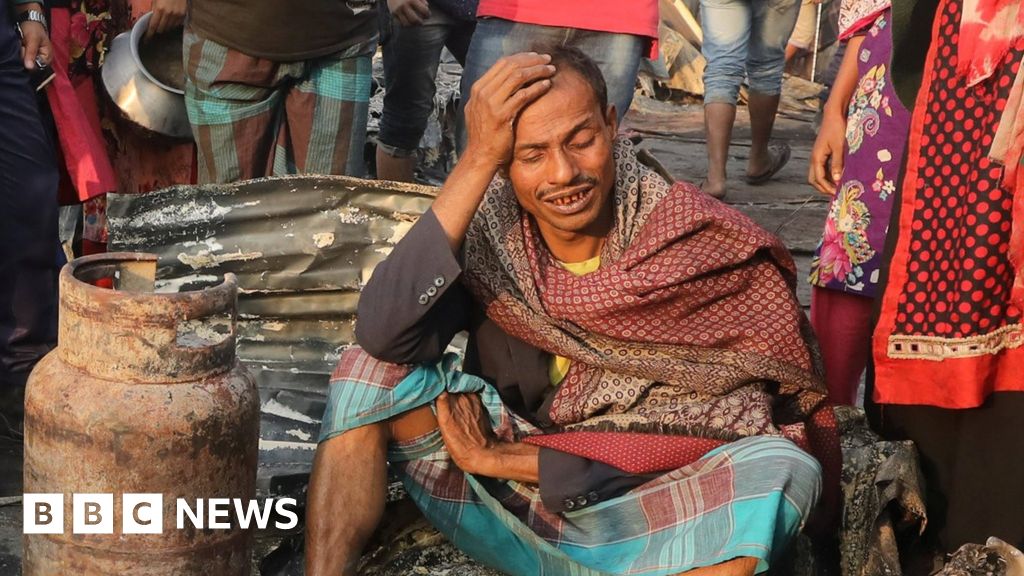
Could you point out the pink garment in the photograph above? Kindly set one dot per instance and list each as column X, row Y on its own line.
column 988, row 30
column 639, row 17
column 842, row 323
column 856, row 15
column 76, row 113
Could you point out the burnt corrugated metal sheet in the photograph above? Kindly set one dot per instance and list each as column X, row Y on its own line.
column 301, row 247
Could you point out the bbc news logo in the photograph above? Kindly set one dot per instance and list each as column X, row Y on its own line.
column 144, row 513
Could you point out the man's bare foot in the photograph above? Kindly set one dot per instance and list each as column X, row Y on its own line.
column 716, row 190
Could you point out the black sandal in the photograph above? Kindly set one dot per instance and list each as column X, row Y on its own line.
column 778, row 160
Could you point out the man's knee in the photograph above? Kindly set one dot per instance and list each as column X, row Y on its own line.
column 412, row 424
column 723, row 77
column 363, row 438
column 781, row 465
column 723, row 89
column 767, row 82
column 764, row 71
column 404, row 427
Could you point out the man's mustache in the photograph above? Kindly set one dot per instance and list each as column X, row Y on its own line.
column 579, row 181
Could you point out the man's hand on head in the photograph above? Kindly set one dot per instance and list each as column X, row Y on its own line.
column 409, row 12
column 496, row 100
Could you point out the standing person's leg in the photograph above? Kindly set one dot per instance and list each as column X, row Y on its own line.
column 28, row 229
column 324, row 131
column 459, row 38
column 842, row 323
column 726, row 25
column 493, row 39
column 234, row 105
column 773, row 22
column 411, row 57
column 988, row 480
column 618, row 57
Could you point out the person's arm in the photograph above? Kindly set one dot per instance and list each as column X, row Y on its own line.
column 413, row 304
column 409, row 12
column 35, row 40
column 167, row 15
column 829, row 151
column 569, row 482
column 566, row 482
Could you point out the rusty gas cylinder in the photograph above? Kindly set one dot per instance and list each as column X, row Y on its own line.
column 143, row 395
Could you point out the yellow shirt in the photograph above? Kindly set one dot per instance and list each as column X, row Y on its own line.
column 559, row 366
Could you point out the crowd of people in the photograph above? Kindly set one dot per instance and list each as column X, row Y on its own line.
column 642, row 392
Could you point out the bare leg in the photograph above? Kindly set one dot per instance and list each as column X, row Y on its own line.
column 346, row 499
column 736, row 567
column 393, row 168
column 718, row 121
column 347, row 490
column 762, row 118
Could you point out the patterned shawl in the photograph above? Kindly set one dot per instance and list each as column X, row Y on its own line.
column 690, row 325
column 856, row 15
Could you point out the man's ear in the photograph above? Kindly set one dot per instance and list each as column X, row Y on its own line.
column 611, row 119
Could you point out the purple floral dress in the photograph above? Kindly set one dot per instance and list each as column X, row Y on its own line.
column 849, row 255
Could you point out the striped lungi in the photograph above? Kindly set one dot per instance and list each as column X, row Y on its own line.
column 745, row 499
column 254, row 117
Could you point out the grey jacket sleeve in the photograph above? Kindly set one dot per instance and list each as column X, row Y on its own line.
column 414, row 303
column 569, row 482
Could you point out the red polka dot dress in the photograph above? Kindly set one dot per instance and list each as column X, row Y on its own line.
column 950, row 332
column 948, row 348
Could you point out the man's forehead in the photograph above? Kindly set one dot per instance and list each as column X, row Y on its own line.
column 569, row 106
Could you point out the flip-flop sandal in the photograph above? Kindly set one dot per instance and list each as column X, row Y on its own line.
column 778, row 160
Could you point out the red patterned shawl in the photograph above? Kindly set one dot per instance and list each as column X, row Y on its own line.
column 689, row 328
column 688, row 324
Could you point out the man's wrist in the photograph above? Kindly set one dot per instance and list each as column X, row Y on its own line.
column 477, row 160
column 32, row 12
column 486, row 460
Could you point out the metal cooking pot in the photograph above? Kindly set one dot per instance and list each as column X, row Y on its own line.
column 131, row 76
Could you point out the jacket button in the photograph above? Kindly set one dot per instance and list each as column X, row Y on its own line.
column 439, row 281
column 581, row 501
column 431, row 291
column 569, row 504
column 592, row 497
column 424, row 299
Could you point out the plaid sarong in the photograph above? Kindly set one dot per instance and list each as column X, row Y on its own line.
column 253, row 117
column 745, row 499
